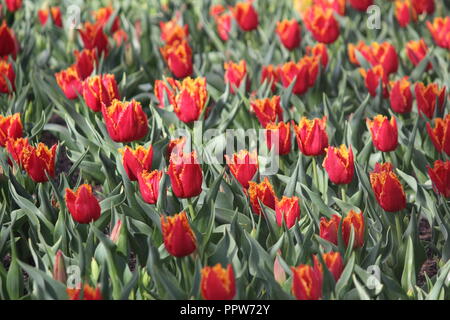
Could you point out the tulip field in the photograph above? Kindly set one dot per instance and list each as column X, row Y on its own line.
column 225, row 150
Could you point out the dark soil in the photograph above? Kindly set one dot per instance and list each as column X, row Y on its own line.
column 429, row 267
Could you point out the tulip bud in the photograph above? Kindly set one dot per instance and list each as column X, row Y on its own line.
column 70, row 83
column 185, row 175
column 103, row 15
column 13, row 5
column 320, row 51
column 178, row 56
column 307, row 282
column 88, row 293
column 10, row 128
column 8, row 40
column 82, row 204
column 401, row 96
column 387, row 188
column 384, row 133
column 329, row 228
column 134, row 161
column 339, row 164
column 440, row 29
column 243, row 165
column 93, row 37
column 125, row 121
column 404, row 12
column 383, row 54
column 440, row 134
column 190, row 99
column 356, row 221
column 334, row 263
column 278, row 271
column 115, row 233
column 270, row 74
column 218, row 283
column 167, row 86
column 426, row 97
column 98, row 90
column 7, row 77
column 149, row 185
column 179, row 239
column 38, row 161
column 59, row 268
column 291, row 71
column 282, row 130
column 16, row 148
column 289, row 33
column 287, row 209
column 267, row 110
column 85, row 62
column 261, row 192
column 246, row 16
column 423, row 6
column 235, row 73
column 176, row 146
column 440, row 176
column 312, row 138
column 361, row 5
column 322, row 24
column 416, row 51
column 172, row 32
column 372, row 79
column 54, row 13
column 223, row 23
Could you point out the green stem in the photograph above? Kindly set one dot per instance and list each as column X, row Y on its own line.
column 315, row 177
column 398, row 226
column 343, row 192
column 191, row 209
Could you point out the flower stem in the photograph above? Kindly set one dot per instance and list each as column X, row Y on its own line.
column 343, row 192
column 191, row 209
column 315, row 177
column 398, row 226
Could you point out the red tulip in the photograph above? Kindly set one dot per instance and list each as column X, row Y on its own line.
column 54, row 13
column 245, row 15
column 361, row 5
column 384, row 132
column 401, row 96
column 102, row 17
column 334, row 263
column 322, row 24
column 125, row 121
column 176, row 146
column 320, row 51
column 190, row 100
column 339, row 164
column 356, row 221
column 185, row 175
column 440, row 31
column 307, row 282
column 329, row 228
column 88, row 293
column 440, row 134
column 312, row 137
column 267, row 110
column 271, row 75
column 149, row 185
column 423, row 6
column 404, row 12
column 223, row 21
column 262, row 192
column 85, row 62
column 134, row 161
column 120, row 37
column 16, row 148
column 383, row 54
column 312, row 64
column 178, row 56
column 10, row 128
column 289, row 33
column 426, row 97
column 290, row 71
column 100, row 89
column 167, row 86
column 8, row 40
column 416, row 51
column 94, row 37
column 172, row 32
column 37, row 161
column 218, row 283
column 387, row 188
column 7, row 77
column 82, row 204
column 69, row 82
column 243, row 165
column 13, row 5
column 372, row 79
column 179, row 239
column 234, row 74
column 440, row 176
column 287, row 210
column 283, row 130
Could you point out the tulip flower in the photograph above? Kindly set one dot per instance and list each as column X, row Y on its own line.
column 191, row 99
column 115, row 233
column 262, row 192
column 85, row 62
column 245, row 15
column 178, row 56
column 320, row 51
column 384, row 132
column 426, row 97
column 94, row 37
column 440, row 30
column 235, row 74
column 218, row 283
column 176, row 146
column 404, row 12
column 172, row 31
column 322, row 24
column 88, row 293
column 223, row 21
column 59, row 268
column 416, row 52
column 287, row 210
column 329, row 228
column 70, row 83
column 278, row 271
column 372, row 79
column 334, row 263
column 440, row 176
column 125, row 121
column 267, row 110
column 102, row 17
column 243, row 166
column 7, row 77
column 339, row 164
column 383, row 54
column 401, row 96
column 307, row 282
column 179, row 239
column 440, row 134
column 356, row 221
column 291, row 71
column 134, row 161
column 289, row 33
column 54, row 13
column 361, row 5
column 312, row 137
column 13, row 5
column 10, row 128
column 16, row 147
column 283, row 131
column 82, row 204
column 387, row 188
column 423, row 6
column 98, row 90
column 38, row 161
column 312, row 64
column 337, row 6
column 185, row 175
column 167, row 86
column 149, row 185
column 270, row 74
column 8, row 40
